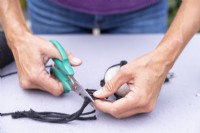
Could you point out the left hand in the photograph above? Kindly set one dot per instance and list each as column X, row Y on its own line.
column 144, row 76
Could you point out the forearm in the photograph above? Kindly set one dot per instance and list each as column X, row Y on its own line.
column 184, row 26
column 12, row 20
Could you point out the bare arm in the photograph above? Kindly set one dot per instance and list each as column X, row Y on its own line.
column 184, row 26
column 31, row 53
column 12, row 20
column 145, row 75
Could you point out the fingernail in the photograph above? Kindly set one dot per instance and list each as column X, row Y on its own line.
column 76, row 60
column 98, row 93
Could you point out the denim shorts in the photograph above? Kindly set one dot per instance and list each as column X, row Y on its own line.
column 48, row 18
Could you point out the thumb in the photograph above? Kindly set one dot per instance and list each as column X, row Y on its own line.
column 112, row 85
column 74, row 60
column 51, row 51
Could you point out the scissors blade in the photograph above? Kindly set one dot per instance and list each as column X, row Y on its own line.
column 80, row 90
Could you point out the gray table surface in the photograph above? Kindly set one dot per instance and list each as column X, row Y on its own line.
column 177, row 109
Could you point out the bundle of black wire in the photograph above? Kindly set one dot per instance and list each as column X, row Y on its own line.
column 55, row 117
column 6, row 57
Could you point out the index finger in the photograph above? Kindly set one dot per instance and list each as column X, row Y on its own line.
column 118, row 107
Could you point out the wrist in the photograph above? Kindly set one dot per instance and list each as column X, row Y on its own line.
column 168, row 52
column 12, row 20
column 165, row 56
column 16, row 38
column 14, row 30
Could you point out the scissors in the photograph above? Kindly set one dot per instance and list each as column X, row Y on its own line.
column 65, row 73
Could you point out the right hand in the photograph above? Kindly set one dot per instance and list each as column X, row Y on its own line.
column 31, row 53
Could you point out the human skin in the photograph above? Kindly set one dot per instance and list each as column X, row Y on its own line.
column 144, row 75
column 31, row 52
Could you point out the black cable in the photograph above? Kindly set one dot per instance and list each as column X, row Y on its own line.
column 54, row 117
column 122, row 63
column 9, row 74
column 6, row 57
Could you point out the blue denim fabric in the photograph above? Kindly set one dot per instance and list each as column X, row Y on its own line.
column 48, row 18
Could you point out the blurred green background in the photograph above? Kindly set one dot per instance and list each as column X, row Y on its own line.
column 173, row 6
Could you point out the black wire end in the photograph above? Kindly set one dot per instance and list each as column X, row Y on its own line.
column 5, row 114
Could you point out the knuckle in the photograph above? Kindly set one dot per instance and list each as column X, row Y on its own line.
column 143, row 102
column 29, row 80
column 109, row 86
column 119, row 116
column 148, row 108
column 146, row 104
column 32, row 76
column 25, row 84
column 57, row 92
column 115, row 112
column 123, row 71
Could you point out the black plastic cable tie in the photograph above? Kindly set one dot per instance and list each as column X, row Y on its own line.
column 102, row 82
column 123, row 62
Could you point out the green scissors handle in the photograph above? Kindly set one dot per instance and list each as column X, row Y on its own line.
column 63, row 68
